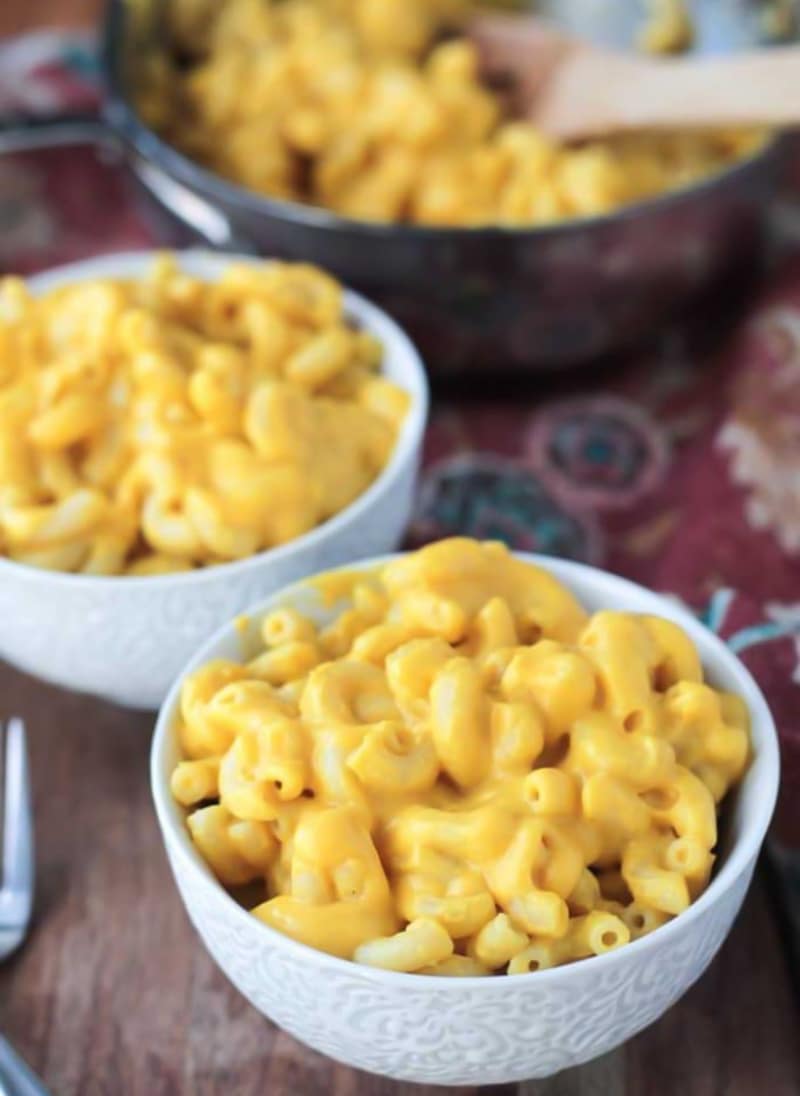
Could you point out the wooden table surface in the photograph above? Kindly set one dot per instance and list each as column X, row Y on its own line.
column 114, row 995
column 20, row 15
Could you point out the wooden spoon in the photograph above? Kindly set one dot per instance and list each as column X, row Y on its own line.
column 571, row 89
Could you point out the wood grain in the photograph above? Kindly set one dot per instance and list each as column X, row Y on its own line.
column 113, row 995
column 22, row 15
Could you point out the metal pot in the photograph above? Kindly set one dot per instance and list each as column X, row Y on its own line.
column 473, row 298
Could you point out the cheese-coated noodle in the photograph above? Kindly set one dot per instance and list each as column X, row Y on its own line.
column 148, row 427
column 412, row 811
column 373, row 109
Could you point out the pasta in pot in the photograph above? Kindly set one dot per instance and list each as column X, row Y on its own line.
column 369, row 108
column 153, row 426
column 452, row 797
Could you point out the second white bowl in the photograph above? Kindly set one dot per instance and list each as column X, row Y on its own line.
column 478, row 1031
column 126, row 639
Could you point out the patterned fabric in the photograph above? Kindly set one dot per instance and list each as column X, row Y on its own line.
column 680, row 470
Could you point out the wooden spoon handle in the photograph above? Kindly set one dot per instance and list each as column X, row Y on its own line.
column 522, row 49
column 591, row 92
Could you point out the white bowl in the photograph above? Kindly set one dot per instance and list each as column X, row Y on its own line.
column 126, row 639
column 478, row 1031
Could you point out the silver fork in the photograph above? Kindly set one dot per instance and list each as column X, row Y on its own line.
column 16, row 885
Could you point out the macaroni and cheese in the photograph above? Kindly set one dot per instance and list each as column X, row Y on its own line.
column 461, row 773
column 369, row 109
column 156, row 425
column 669, row 28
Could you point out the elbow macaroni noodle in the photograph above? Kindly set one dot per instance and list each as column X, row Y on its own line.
column 463, row 773
column 155, row 425
column 669, row 28
column 367, row 108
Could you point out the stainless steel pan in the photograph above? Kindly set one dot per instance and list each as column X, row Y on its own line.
column 474, row 299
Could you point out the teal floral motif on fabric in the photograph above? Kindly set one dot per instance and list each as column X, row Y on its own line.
column 491, row 499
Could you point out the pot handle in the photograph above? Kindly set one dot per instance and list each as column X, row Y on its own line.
column 209, row 222
column 26, row 134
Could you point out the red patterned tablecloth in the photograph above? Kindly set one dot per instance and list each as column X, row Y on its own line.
column 681, row 471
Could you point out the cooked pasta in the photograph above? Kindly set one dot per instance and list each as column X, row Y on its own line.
column 463, row 773
column 370, row 108
column 155, row 425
